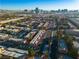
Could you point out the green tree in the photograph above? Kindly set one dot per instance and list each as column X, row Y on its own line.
column 31, row 52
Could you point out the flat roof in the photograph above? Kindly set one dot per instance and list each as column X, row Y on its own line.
column 15, row 39
column 18, row 50
column 12, row 54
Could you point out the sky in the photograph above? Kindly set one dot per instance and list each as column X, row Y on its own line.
column 42, row 4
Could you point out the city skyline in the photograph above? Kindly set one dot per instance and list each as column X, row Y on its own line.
column 42, row 4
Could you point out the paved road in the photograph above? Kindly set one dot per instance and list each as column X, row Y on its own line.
column 6, row 21
column 75, row 21
column 72, row 26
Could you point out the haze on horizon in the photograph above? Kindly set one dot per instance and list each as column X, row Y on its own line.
column 42, row 4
